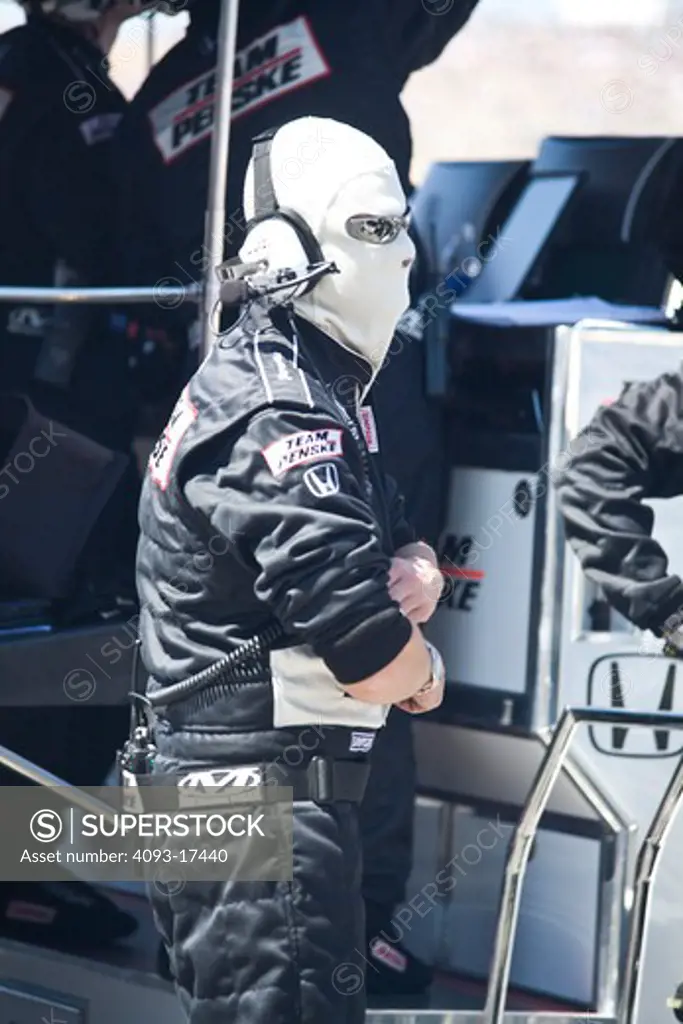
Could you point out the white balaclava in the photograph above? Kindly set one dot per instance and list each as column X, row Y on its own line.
column 328, row 172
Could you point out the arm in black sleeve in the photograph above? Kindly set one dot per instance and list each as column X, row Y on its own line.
column 402, row 533
column 147, row 253
column 70, row 193
column 417, row 33
column 317, row 558
column 632, row 450
column 161, row 328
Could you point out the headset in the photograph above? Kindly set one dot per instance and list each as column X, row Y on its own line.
column 234, row 275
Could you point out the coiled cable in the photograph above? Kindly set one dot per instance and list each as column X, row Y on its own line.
column 220, row 672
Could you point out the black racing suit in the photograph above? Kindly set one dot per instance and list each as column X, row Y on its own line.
column 632, row 450
column 265, row 502
column 300, row 57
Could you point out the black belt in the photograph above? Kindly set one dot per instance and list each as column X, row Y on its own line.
column 324, row 780
column 328, row 781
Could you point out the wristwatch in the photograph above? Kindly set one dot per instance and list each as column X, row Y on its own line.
column 673, row 642
column 438, row 676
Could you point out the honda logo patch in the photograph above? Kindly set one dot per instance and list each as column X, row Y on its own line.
column 639, row 683
column 322, row 481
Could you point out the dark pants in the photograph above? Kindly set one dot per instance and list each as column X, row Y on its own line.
column 412, row 437
column 386, row 819
column 275, row 952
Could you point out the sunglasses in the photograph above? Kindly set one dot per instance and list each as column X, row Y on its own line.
column 376, row 230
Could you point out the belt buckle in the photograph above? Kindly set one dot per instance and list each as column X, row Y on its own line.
column 320, row 773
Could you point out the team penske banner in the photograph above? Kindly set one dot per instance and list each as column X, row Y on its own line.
column 284, row 59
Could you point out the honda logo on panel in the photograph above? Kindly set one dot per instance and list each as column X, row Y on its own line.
column 636, row 682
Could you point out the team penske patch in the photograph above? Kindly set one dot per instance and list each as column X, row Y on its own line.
column 283, row 59
column 303, row 447
column 367, row 419
column 161, row 460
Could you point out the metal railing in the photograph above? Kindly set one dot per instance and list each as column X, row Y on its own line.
column 21, row 766
column 525, row 833
column 103, row 296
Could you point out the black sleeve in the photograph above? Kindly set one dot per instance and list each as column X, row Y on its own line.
column 402, row 532
column 69, row 190
column 139, row 169
column 632, row 450
column 161, row 328
column 297, row 516
column 418, row 32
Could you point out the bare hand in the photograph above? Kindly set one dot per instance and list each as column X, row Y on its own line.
column 415, row 584
column 419, row 704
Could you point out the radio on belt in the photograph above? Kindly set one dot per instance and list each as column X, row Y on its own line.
column 136, row 760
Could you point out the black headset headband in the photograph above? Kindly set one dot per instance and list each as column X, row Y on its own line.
column 266, row 205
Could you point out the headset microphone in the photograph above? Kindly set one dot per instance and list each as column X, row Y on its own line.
column 236, row 288
column 235, row 293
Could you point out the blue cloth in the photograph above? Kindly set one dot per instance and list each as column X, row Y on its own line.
column 554, row 312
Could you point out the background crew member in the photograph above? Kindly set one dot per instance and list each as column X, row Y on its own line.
column 297, row 57
column 265, row 452
column 58, row 114
column 632, row 450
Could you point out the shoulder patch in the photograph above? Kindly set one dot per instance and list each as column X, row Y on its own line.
column 99, row 128
column 367, row 419
column 161, row 460
column 303, row 447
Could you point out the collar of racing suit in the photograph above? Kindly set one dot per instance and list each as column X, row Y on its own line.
column 343, row 372
column 70, row 42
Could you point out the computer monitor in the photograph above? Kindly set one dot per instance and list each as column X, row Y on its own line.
column 624, row 237
column 459, row 205
column 627, row 181
column 523, row 238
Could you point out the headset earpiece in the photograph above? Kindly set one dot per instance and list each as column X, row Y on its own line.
column 266, row 206
column 309, row 243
